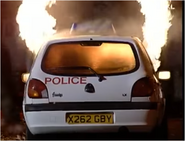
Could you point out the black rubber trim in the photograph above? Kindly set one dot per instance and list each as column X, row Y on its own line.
column 69, row 106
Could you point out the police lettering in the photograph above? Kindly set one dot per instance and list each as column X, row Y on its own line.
column 65, row 80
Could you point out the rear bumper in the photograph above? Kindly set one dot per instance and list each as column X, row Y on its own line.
column 40, row 122
column 51, row 118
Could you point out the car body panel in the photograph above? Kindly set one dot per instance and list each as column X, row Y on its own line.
column 117, row 88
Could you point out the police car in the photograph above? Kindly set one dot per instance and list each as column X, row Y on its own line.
column 92, row 84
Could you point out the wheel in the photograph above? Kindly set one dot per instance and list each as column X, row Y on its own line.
column 29, row 135
column 161, row 131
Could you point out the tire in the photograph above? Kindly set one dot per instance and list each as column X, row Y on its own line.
column 29, row 135
column 161, row 131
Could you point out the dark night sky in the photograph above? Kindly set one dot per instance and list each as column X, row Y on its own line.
column 125, row 15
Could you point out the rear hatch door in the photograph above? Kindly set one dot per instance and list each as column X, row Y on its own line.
column 89, row 71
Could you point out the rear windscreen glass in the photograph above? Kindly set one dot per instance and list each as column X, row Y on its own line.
column 104, row 58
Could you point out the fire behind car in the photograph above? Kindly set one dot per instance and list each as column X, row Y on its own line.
column 92, row 84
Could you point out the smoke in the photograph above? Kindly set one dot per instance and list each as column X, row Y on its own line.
column 173, row 51
column 68, row 12
column 175, row 32
column 125, row 16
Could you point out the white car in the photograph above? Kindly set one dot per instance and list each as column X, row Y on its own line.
column 92, row 84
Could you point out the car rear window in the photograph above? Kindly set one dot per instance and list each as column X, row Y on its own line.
column 105, row 58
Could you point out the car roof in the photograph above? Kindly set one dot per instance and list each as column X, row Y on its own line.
column 70, row 37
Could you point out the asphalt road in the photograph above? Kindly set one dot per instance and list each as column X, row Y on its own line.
column 175, row 132
column 105, row 136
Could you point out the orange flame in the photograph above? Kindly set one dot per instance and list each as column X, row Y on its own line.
column 35, row 24
column 155, row 29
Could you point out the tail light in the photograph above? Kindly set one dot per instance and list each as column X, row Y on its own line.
column 143, row 87
column 37, row 89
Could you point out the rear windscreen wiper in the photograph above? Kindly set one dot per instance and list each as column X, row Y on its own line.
column 101, row 77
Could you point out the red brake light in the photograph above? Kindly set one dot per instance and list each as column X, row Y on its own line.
column 143, row 87
column 37, row 89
